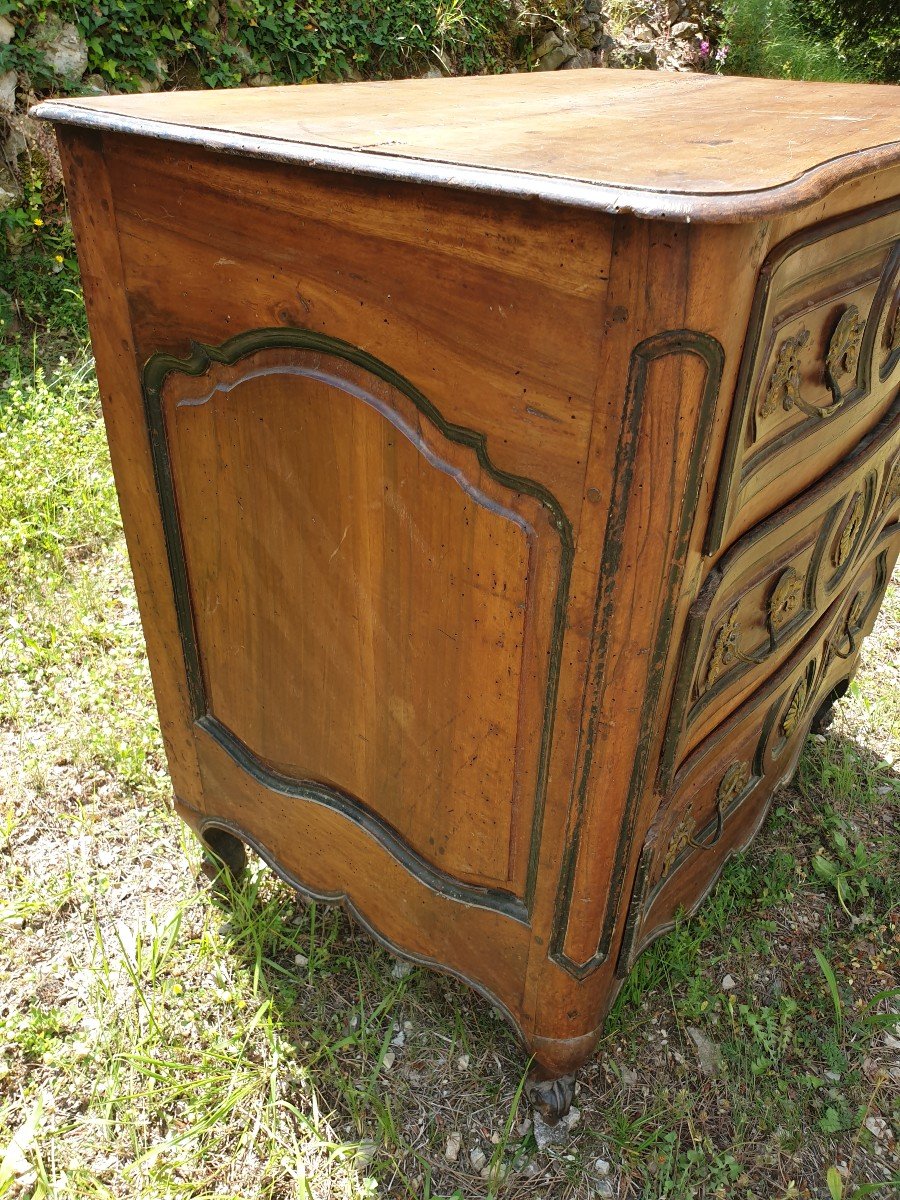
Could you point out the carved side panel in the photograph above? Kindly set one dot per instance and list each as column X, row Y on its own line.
column 371, row 613
column 672, row 388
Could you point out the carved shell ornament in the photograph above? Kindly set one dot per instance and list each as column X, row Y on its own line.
column 841, row 359
column 785, row 599
column 795, row 708
column 849, row 532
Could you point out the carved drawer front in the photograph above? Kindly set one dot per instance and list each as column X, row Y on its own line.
column 821, row 364
column 720, row 794
column 773, row 585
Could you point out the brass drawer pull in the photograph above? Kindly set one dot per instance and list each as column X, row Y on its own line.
column 841, row 358
column 734, row 781
column 852, row 628
column 851, row 646
column 717, row 832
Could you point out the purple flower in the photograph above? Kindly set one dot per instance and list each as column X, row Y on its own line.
column 721, row 54
column 704, row 49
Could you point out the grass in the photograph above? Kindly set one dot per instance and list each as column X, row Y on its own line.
column 159, row 1039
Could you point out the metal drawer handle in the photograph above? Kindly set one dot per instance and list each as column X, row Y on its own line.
column 841, row 358
column 851, row 628
column 851, row 646
column 734, row 781
column 716, row 834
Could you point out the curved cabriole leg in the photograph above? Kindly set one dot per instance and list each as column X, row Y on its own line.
column 551, row 1081
column 225, row 855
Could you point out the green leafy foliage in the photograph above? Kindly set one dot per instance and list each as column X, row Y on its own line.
column 136, row 44
column 853, row 872
column 39, row 279
column 867, row 32
column 767, row 38
column 770, row 1032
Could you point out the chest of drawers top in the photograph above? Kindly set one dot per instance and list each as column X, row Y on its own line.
column 689, row 147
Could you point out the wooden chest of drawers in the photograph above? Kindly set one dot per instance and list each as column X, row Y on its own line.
column 510, row 469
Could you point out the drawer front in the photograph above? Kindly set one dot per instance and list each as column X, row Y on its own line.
column 821, row 363
column 769, row 590
column 721, row 793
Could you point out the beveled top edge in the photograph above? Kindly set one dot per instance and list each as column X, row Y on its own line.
column 587, row 140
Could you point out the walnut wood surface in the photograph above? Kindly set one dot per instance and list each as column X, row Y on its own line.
column 737, row 148
column 332, row 508
column 438, row 504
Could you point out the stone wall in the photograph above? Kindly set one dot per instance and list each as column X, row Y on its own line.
column 671, row 35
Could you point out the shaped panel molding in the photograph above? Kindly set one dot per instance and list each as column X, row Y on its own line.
column 371, row 612
column 594, row 872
